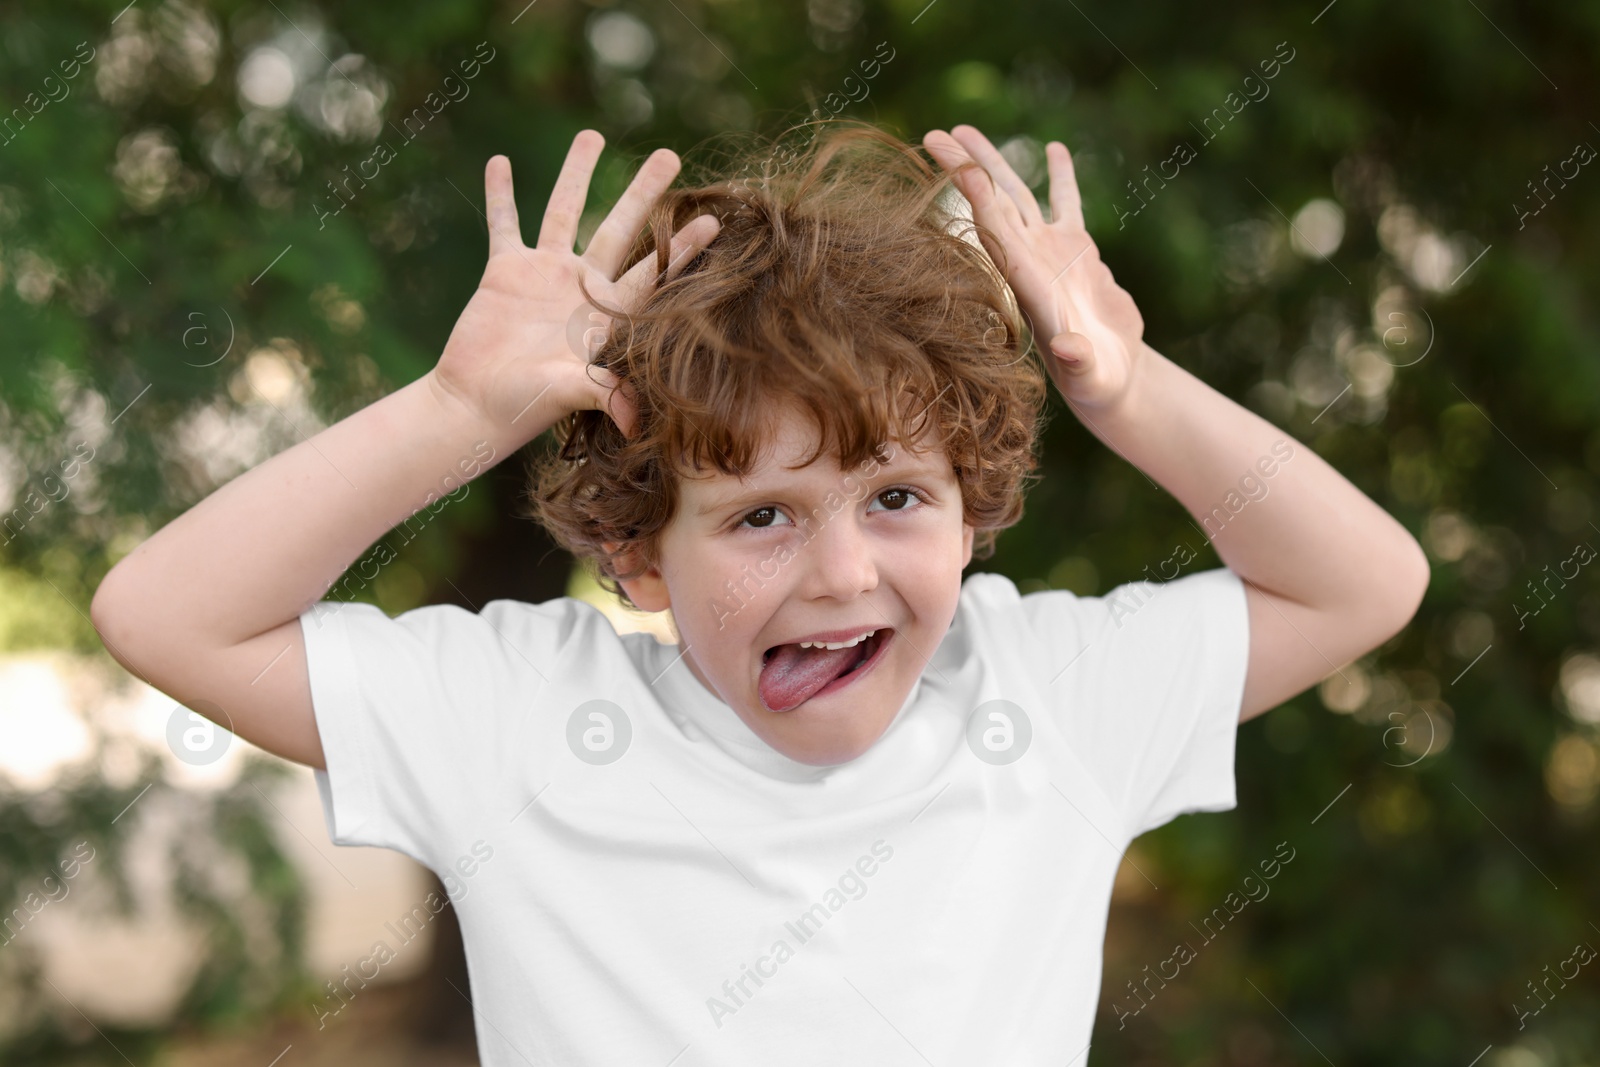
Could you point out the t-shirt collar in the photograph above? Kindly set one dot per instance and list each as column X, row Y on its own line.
column 698, row 711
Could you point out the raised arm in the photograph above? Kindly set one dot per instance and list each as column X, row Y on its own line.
column 207, row 610
column 1329, row 575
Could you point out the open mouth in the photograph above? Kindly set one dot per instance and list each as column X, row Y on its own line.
column 865, row 649
column 791, row 675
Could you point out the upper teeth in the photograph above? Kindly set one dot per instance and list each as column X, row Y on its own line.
column 837, row 644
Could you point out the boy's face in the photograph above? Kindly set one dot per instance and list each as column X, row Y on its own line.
column 784, row 554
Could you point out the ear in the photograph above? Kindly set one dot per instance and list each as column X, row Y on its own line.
column 649, row 590
column 967, row 533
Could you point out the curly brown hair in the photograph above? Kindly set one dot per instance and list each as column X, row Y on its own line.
column 843, row 281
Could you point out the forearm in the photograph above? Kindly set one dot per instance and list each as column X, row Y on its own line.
column 1302, row 531
column 264, row 547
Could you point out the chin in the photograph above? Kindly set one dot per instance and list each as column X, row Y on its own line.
column 828, row 749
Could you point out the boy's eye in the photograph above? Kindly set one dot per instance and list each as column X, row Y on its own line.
column 895, row 498
column 761, row 518
column 901, row 495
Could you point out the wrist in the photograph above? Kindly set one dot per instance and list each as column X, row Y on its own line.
column 1129, row 408
column 466, row 419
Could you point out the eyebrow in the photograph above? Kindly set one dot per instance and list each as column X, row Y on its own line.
column 924, row 467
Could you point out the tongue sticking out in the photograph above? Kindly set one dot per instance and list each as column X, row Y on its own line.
column 794, row 674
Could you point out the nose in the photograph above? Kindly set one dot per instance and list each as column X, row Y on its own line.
column 840, row 560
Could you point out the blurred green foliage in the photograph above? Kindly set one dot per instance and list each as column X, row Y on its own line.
column 166, row 264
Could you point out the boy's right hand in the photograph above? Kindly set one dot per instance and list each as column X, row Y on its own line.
column 512, row 358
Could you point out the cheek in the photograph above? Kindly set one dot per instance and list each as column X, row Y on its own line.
column 721, row 597
column 928, row 573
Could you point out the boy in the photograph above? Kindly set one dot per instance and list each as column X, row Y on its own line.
column 864, row 809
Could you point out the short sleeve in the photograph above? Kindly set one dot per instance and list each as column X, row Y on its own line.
column 1147, row 683
column 417, row 713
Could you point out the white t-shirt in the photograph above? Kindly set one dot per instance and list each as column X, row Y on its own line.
column 704, row 900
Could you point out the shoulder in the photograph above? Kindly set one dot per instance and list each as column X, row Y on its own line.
column 1136, row 610
column 991, row 618
column 986, row 598
column 507, row 624
column 986, row 590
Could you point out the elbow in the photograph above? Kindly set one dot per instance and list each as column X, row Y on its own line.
column 1418, row 577
column 105, row 605
column 100, row 609
column 1408, row 584
column 110, row 619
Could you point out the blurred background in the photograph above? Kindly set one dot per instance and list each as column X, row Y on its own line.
column 224, row 226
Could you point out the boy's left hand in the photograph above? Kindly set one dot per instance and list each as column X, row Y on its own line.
column 1088, row 325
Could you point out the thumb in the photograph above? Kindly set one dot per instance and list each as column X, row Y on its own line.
column 616, row 400
column 1073, row 350
column 623, row 408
